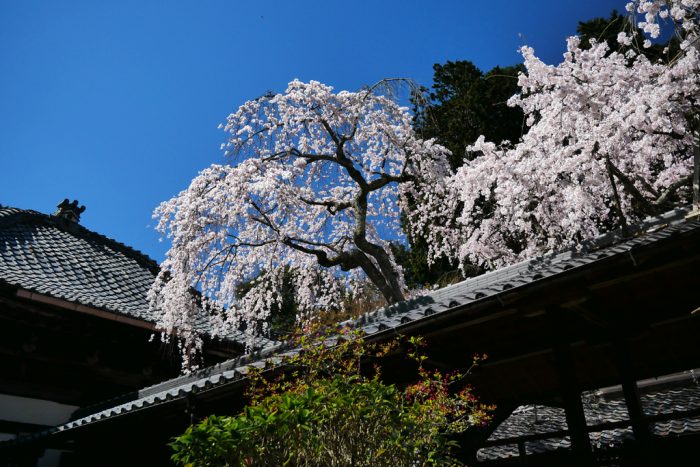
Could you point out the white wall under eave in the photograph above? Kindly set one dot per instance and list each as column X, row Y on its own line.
column 36, row 411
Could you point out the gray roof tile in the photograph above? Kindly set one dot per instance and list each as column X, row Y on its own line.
column 598, row 409
column 65, row 260
column 62, row 259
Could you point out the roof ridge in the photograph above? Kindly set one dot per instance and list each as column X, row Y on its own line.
column 506, row 273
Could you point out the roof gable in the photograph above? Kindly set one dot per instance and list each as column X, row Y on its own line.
column 53, row 256
column 56, row 257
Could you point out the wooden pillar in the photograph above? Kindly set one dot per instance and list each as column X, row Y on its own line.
column 575, row 418
column 190, row 409
column 562, row 330
column 630, row 391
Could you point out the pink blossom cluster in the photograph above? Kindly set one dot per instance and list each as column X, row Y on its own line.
column 610, row 140
column 315, row 189
column 318, row 180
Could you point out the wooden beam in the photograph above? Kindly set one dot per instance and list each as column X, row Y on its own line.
column 582, row 307
column 112, row 316
column 655, row 271
column 13, row 427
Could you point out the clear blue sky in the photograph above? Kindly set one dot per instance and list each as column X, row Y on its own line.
column 116, row 103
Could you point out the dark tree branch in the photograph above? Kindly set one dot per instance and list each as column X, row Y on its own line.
column 670, row 134
column 647, row 186
column 672, row 188
column 321, row 255
column 312, row 157
column 613, row 185
column 264, row 220
column 386, row 179
column 649, row 207
column 337, row 140
column 333, row 207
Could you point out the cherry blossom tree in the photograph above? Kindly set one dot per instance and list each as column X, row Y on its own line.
column 613, row 137
column 315, row 186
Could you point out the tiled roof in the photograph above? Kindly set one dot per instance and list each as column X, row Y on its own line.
column 421, row 310
column 62, row 259
column 230, row 372
column 505, row 280
column 55, row 257
column 598, row 409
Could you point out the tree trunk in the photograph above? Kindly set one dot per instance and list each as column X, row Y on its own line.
column 390, row 290
column 382, row 272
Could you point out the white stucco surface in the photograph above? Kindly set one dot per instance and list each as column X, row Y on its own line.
column 37, row 411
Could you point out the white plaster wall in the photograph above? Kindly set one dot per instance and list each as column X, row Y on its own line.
column 38, row 411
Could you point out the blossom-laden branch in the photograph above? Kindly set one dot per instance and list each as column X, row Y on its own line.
column 611, row 140
column 316, row 186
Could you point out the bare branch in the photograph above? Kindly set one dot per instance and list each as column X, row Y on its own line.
column 629, row 186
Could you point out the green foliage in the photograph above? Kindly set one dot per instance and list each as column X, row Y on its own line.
column 328, row 406
column 465, row 103
column 602, row 29
column 417, row 272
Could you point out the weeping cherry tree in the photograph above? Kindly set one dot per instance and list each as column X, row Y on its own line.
column 314, row 187
column 613, row 137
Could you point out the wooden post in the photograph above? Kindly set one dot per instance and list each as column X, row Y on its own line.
column 573, row 407
column 190, row 409
column 696, row 167
column 571, row 395
column 631, row 392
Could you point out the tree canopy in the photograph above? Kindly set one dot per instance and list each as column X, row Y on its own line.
column 464, row 103
column 315, row 189
column 611, row 139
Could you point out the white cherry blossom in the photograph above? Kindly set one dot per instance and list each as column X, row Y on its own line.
column 613, row 137
column 315, row 186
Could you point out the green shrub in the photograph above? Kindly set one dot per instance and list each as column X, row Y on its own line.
column 330, row 408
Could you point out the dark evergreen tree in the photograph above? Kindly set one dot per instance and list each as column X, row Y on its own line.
column 465, row 103
column 602, row 29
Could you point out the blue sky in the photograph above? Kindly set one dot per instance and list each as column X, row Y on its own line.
column 116, row 104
